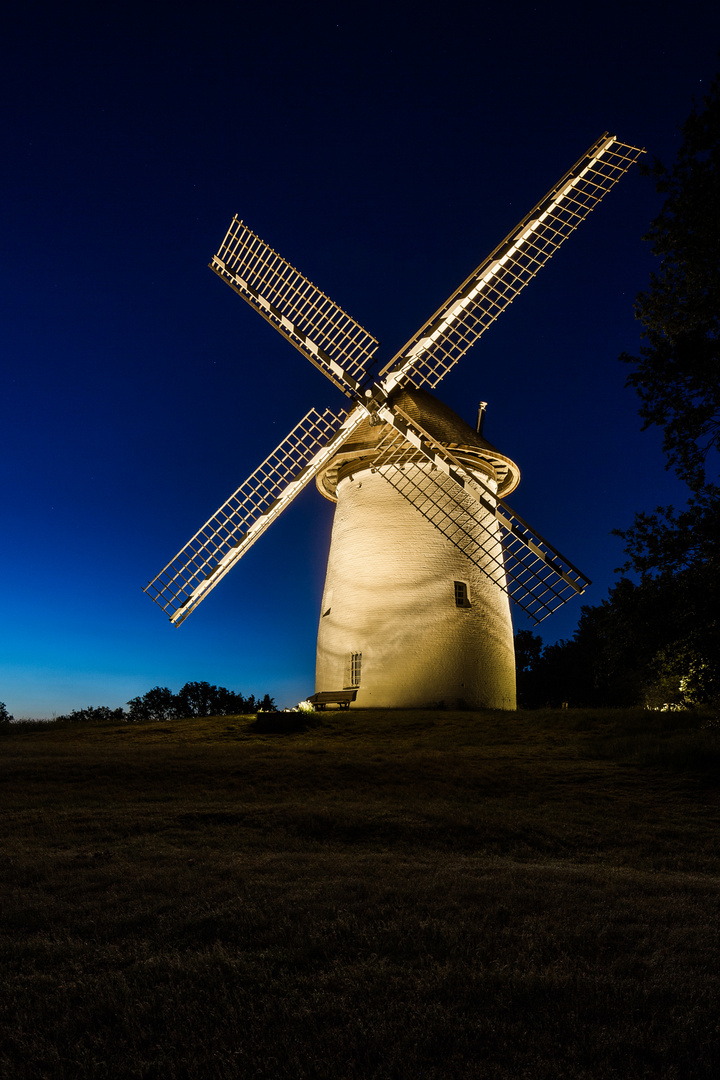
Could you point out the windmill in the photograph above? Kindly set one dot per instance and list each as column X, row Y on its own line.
column 425, row 554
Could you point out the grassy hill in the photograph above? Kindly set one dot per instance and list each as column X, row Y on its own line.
column 383, row 895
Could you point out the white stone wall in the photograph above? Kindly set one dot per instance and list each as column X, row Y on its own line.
column 389, row 594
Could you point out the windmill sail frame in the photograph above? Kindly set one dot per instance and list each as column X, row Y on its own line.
column 310, row 320
column 242, row 519
column 536, row 576
column 533, row 573
column 489, row 290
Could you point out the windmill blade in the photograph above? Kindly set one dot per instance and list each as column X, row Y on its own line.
column 489, row 290
column 243, row 518
column 326, row 335
column 529, row 569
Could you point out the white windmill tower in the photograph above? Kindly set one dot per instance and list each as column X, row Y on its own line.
column 425, row 553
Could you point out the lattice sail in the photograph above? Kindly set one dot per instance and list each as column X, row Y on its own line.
column 515, row 556
column 492, row 287
column 243, row 518
column 530, row 570
column 324, row 333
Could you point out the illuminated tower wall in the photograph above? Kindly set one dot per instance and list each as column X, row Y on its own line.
column 405, row 615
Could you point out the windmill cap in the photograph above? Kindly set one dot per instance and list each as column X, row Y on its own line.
column 440, row 421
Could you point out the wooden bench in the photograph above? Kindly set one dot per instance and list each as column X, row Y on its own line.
column 341, row 698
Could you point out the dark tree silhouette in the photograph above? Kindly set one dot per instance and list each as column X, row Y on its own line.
column 528, row 650
column 156, row 704
column 657, row 638
column 676, row 554
column 93, row 714
column 677, row 375
column 197, row 699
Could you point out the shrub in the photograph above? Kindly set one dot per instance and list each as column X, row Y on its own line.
column 284, row 723
column 682, row 677
column 93, row 714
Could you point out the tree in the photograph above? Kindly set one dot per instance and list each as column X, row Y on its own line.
column 671, row 542
column 203, row 699
column 528, row 650
column 228, row 703
column 676, row 554
column 93, row 714
column 677, row 375
column 196, row 699
column 603, row 664
column 657, row 639
column 156, row 704
column 5, row 717
column 683, row 675
column 647, row 636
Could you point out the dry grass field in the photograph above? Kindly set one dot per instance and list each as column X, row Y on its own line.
column 528, row 896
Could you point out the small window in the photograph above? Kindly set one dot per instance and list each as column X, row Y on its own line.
column 461, row 594
column 355, row 668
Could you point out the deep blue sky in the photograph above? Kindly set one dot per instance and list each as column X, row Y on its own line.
column 383, row 150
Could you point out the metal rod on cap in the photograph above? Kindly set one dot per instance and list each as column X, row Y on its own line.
column 481, row 417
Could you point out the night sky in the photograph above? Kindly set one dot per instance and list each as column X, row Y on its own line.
column 383, row 150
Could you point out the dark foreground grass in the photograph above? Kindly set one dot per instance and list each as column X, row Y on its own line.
column 384, row 895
